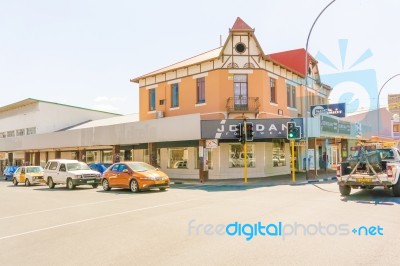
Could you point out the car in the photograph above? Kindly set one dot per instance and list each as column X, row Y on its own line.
column 71, row 173
column 9, row 172
column 99, row 167
column 136, row 176
column 29, row 175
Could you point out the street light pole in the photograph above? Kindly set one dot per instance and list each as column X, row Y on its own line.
column 377, row 104
column 306, row 107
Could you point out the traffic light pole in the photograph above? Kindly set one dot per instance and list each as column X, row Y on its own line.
column 293, row 168
column 245, row 149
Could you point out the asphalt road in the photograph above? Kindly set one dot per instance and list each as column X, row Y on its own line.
column 307, row 225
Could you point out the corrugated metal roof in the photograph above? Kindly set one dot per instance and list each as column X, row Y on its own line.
column 108, row 121
column 29, row 101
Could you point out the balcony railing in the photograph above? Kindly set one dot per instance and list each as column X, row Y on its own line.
column 242, row 104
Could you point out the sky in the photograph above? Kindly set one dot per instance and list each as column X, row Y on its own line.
column 84, row 52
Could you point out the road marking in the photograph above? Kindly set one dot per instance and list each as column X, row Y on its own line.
column 94, row 218
column 60, row 208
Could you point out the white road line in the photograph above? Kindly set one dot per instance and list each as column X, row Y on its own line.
column 61, row 208
column 94, row 218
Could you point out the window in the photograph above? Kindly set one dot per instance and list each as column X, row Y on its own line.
column 178, row 158
column 20, row 132
column 396, row 128
column 236, row 156
column 272, row 83
column 174, row 95
column 53, row 166
column 107, row 157
column 63, row 168
column 115, row 168
column 201, row 91
column 3, row 135
column 291, row 95
column 152, row 99
column 10, row 133
column 31, row 130
column 278, row 153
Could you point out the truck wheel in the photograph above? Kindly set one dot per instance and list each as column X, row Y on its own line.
column 396, row 189
column 50, row 183
column 70, row 185
column 344, row 190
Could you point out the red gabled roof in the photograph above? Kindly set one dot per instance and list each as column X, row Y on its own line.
column 241, row 25
column 294, row 59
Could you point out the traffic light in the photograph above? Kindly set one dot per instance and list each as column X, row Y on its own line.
column 249, row 131
column 293, row 131
column 238, row 132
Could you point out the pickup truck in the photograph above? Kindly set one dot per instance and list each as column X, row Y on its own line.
column 71, row 173
column 369, row 168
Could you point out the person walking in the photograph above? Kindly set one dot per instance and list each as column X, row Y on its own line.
column 325, row 160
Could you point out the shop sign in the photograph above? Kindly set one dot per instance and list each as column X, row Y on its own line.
column 337, row 109
column 334, row 125
column 263, row 128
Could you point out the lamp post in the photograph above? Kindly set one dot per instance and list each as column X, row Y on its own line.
column 306, row 107
column 377, row 104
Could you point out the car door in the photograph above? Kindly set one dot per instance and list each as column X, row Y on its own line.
column 62, row 173
column 22, row 175
column 113, row 175
column 123, row 176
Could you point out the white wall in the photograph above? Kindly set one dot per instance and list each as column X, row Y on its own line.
column 47, row 117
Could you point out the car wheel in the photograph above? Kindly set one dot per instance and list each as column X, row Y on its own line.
column 396, row 188
column 163, row 188
column 106, row 185
column 134, row 186
column 95, row 185
column 70, row 185
column 344, row 190
column 50, row 183
column 27, row 183
column 15, row 182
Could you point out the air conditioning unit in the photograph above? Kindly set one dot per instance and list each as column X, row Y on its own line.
column 159, row 114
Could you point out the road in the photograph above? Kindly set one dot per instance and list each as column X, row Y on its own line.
column 186, row 226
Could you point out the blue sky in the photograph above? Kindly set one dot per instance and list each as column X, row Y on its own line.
column 83, row 52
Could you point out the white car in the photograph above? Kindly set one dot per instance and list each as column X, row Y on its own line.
column 71, row 173
column 29, row 175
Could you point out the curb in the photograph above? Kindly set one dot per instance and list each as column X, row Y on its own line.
column 300, row 183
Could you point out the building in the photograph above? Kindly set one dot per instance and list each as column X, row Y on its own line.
column 31, row 117
column 188, row 112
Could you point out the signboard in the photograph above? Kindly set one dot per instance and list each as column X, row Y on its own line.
column 337, row 109
column 211, row 143
column 335, row 126
column 263, row 128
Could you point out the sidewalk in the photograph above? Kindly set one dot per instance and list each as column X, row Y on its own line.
column 322, row 176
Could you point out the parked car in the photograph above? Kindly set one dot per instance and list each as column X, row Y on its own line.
column 29, row 175
column 134, row 175
column 9, row 172
column 99, row 167
column 70, row 172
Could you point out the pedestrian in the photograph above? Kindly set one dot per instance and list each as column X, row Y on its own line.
column 325, row 160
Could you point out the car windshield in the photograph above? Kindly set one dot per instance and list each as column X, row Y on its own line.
column 141, row 167
column 77, row 166
column 35, row 169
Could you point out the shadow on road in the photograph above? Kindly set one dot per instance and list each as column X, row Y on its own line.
column 373, row 197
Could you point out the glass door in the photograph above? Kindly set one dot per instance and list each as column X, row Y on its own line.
column 240, row 92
